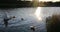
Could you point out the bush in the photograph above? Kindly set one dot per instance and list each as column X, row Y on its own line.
column 53, row 25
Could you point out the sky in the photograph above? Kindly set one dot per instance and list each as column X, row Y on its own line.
column 43, row 0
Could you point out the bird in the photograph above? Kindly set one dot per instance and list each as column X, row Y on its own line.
column 32, row 28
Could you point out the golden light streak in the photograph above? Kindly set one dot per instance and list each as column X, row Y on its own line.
column 38, row 13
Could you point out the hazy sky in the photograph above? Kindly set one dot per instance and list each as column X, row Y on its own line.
column 43, row 0
column 26, row 0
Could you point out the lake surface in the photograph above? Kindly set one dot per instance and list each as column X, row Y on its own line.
column 30, row 19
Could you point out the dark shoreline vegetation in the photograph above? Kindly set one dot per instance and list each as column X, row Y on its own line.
column 53, row 23
column 20, row 4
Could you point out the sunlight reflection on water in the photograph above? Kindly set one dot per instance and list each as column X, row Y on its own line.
column 38, row 13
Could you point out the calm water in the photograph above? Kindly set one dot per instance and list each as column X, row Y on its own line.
column 30, row 19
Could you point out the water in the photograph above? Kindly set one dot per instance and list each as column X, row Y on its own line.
column 17, row 25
